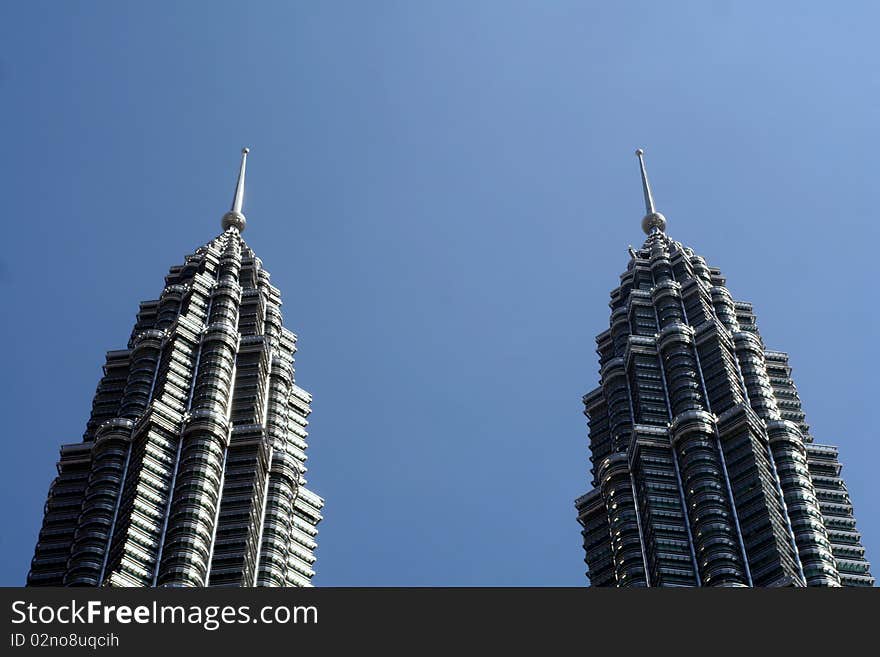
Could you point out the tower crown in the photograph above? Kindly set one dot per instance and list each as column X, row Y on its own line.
column 652, row 219
column 234, row 218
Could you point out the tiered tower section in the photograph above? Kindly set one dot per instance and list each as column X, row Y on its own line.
column 704, row 472
column 191, row 469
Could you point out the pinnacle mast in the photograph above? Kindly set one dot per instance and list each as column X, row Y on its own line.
column 652, row 219
column 235, row 218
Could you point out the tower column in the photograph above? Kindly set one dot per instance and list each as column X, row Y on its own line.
column 790, row 460
column 110, row 456
column 283, row 477
column 694, row 442
column 196, row 495
column 623, row 522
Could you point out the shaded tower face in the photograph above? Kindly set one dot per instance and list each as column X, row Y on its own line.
column 191, row 469
column 704, row 470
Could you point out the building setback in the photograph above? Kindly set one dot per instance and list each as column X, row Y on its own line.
column 191, row 468
column 704, row 470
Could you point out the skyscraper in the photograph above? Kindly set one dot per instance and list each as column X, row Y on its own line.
column 190, row 471
column 704, row 470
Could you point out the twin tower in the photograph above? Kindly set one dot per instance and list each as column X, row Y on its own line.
column 191, row 471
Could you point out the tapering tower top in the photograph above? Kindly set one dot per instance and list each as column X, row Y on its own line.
column 234, row 218
column 652, row 219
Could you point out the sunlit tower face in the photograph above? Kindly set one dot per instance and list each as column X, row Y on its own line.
column 191, row 471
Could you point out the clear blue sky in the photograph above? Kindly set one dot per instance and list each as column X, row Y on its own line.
column 444, row 193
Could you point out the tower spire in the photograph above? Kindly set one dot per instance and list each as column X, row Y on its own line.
column 652, row 218
column 235, row 218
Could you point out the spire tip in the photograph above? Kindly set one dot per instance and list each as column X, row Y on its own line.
column 652, row 220
column 235, row 218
